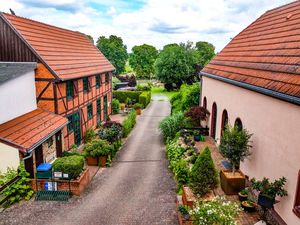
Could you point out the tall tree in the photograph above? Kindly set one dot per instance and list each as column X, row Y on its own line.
column 91, row 38
column 114, row 50
column 142, row 60
column 206, row 51
column 176, row 64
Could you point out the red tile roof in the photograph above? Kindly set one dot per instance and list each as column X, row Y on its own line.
column 28, row 130
column 266, row 54
column 68, row 53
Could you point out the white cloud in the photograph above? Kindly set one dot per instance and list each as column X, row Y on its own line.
column 157, row 22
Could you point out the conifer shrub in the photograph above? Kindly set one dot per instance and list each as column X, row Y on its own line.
column 203, row 176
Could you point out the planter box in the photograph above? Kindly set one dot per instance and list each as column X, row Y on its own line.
column 97, row 161
column 188, row 197
column 230, row 184
column 138, row 111
column 102, row 161
column 183, row 221
column 77, row 186
column 92, row 161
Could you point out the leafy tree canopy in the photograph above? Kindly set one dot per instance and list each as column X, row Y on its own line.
column 91, row 38
column 142, row 60
column 114, row 50
column 176, row 64
column 235, row 145
column 206, row 51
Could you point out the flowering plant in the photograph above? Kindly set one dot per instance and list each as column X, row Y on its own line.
column 217, row 211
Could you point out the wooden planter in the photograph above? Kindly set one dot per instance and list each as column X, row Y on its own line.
column 183, row 221
column 92, row 161
column 76, row 186
column 102, row 161
column 188, row 197
column 230, row 184
column 97, row 161
column 138, row 111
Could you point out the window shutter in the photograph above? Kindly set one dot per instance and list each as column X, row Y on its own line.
column 75, row 87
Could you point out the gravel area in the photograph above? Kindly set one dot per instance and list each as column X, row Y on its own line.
column 137, row 190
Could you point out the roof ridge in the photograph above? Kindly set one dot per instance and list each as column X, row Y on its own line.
column 282, row 6
column 42, row 23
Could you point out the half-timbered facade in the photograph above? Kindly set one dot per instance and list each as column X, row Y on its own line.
column 73, row 78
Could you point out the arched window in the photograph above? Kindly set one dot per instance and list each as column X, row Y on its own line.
column 213, row 121
column 204, row 103
column 224, row 121
column 238, row 123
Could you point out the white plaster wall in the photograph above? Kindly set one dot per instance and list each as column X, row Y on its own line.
column 17, row 97
column 9, row 157
column 275, row 125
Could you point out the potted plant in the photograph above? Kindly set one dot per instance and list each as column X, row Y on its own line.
column 269, row 190
column 236, row 148
column 243, row 194
column 184, row 211
column 249, row 206
column 97, row 151
column 138, row 108
column 197, row 135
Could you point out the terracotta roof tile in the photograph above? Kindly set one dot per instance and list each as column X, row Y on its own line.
column 57, row 47
column 266, row 54
column 29, row 129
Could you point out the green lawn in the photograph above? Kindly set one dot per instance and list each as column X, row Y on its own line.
column 162, row 91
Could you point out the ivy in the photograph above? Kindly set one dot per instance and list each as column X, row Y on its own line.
column 19, row 190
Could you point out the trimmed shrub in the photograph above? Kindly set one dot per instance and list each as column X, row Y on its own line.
column 181, row 171
column 145, row 98
column 171, row 125
column 72, row 165
column 111, row 133
column 123, row 95
column 97, row 148
column 129, row 123
column 71, row 153
column 144, row 87
column 115, row 105
column 187, row 97
column 203, row 176
column 137, row 106
column 90, row 134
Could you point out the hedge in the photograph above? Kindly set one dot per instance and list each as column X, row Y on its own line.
column 72, row 165
column 123, row 95
column 129, row 123
column 145, row 98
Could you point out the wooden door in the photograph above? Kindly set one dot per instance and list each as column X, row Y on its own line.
column 105, row 108
column 58, row 144
column 76, row 128
column 39, row 159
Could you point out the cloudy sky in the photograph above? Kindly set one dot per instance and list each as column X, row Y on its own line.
column 155, row 22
